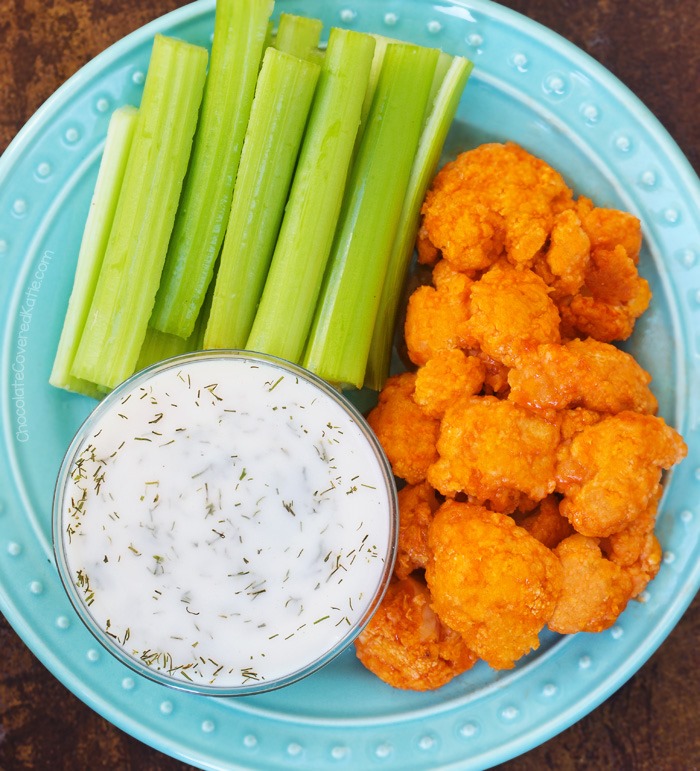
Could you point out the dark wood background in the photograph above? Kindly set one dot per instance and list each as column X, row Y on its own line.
column 651, row 723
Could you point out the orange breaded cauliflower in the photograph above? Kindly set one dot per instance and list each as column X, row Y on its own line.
column 647, row 566
column 545, row 522
column 494, row 450
column 406, row 433
column 595, row 591
column 445, row 377
column 625, row 547
column 636, row 548
column 407, row 645
column 511, row 313
column 436, row 316
column 563, row 263
column 417, row 504
column 613, row 297
column 609, row 473
column 581, row 373
column 608, row 228
column 575, row 420
column 494, row 201
column 491, row 581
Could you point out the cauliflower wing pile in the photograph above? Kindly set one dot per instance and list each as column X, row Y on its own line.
column 527, row 445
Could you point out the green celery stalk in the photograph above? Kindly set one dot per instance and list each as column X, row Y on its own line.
column 143, row 220
column 293, row 283
column 280, row 110
column 240, row 29
column 158, row 346
column 440, row 117
column 98, row 225
column 340, row 337
column 381, row 42
column 299, row 36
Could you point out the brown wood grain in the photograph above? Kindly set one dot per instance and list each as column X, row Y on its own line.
column 651, row 723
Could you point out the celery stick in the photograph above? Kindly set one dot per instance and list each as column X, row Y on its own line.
column 381, row 42
column 299, row 36
column 158, row 346
column 287, row 304
column 128, row 280
column 340, row 337
column 280, row 109
column 240, row 29
column 444, row 108
column 98, row 225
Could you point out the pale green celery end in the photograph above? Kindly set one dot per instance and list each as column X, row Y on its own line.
column 280, row 110
column 299, row 36
column 340, row 338
column 441, row 116
column 240, row 30
column 98, row 225
column 286, row 309
column 158, row 346
column 200, row 327
column 381, row 42
column 128, row 280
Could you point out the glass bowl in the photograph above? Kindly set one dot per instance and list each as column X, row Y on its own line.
column 225, row 522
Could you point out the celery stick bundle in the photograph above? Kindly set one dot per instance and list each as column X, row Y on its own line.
column 133, row 259
column 240, row 29
column 280, row 217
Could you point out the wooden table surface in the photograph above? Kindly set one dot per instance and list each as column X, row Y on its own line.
column 650, row 724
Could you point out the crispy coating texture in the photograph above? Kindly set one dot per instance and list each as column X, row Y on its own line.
column 575, row 420
column 407, row 645
column 436, row 317
column 417, row 504
column 491, row 581
column 447, row 376
column 647, row 565
column 581, row 373
column 607, row 228
column 563, row 264
column 546, row 523
column 511, row 313
column 490, row 446
column 626, row 546
column 595, row 590
column 636, row 548
column 406, row 433
column 609, row 472
column 496, row 200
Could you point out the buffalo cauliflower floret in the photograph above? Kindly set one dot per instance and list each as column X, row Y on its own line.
column 490, row 447
column 447, row 376
column 407, row 645
column 562, row 265
column 495, row 201
column 436, row 316
column 417, row 504
column 407, row 435
column 545, row 522
column 609, row 472
column 595, row 591
column 491, row 581
column 511, row 313
column 581, row 373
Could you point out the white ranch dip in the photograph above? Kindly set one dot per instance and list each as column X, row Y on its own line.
column 226, row 522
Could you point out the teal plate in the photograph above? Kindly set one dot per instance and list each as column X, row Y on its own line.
column 530, row 86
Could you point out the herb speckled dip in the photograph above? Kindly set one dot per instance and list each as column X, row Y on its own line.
column 225, row 522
